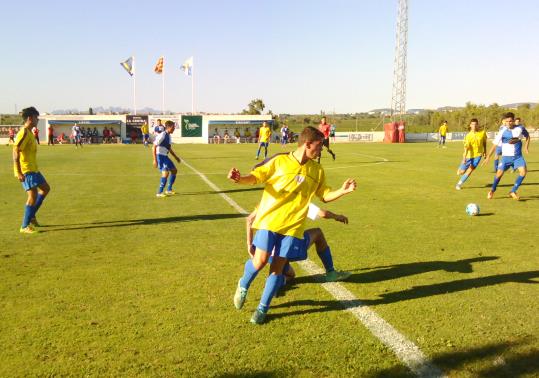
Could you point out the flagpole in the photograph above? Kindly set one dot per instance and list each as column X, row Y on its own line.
column 163, row 95
column 134, row 88
column 192, row 88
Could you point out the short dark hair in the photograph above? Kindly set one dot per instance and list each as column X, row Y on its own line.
column 28, row 112
column 518, row 119
column 508, row 115
column 474, row 120
column 169, row 124
column 310, row 134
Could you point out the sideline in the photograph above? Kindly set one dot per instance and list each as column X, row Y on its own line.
column 404, row 349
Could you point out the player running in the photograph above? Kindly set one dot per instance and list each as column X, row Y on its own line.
column 510, row 136
column 264, row 137
column 291, row 181
column 475, row 146
column 161, row 148
column 325, row 128
column 26, row 171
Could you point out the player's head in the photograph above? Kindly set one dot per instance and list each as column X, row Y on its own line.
column 159, row 122
column 474, row 124
column 264, row 124
column 30, row 115
column 517, row 121
column 169, row 127
column 508, row 119
column 444, row 122
column 312, row 139
column 323, row 120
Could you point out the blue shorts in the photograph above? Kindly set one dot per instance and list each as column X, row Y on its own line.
column 77, row 137
column 288, row 247
column 284, row 140
column 32, row 180
column 472, row 162
column 164, row 163
column 498, row 150
column 514, row 162
column 264, row 144
column 146, row 136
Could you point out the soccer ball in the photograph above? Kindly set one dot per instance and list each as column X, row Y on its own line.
column 472, row 209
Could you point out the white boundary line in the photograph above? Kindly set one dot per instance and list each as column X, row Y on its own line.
column 404, row 349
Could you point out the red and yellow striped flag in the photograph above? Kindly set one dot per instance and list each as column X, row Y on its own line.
column 158, row 69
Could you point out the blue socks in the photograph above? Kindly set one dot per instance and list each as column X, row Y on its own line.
column 273, row 282
column 326, row 258
column 495, row 183
column 518, row 181
column 496, row 165
column 39, row 201
column 162, row 184
column 29, row 212
column 249, row 274
column 171, row 181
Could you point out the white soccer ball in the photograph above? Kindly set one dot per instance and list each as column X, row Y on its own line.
column 472, row 209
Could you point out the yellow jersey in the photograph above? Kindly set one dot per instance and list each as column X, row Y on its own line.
column 474, row 142
column 26, row 142
column 443, row 130
column 264, row 134
column 290, row 187
column 144, row 129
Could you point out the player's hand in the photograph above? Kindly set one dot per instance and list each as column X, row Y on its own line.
column 341, row 218
column 251, row 250
column 349, row 186
column 20, row 177
column 178, row 159
column 234, row 175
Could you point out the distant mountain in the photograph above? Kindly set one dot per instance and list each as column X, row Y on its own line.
column 517, row 104
column 109, row 110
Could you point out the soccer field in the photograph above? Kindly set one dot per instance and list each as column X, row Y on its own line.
column 121, row 283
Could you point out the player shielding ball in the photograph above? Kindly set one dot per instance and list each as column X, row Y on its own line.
column 511, row 138
column 291, row 181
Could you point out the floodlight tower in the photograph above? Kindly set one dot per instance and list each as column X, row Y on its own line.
column 398, row 94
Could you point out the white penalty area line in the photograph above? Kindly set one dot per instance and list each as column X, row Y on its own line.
column 382, row 160
column 404, row 349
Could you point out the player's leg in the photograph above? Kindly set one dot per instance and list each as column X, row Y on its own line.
column 520, row 164
column 266, row 150
column 316, row 236
column 162, row 182
column 29, row 207
column 469, row 166
column 43, row 190
column 497, row 177
column 250, row 271
column 273, row 283
column 173, row 172
column 258, row 152
column 326, row 143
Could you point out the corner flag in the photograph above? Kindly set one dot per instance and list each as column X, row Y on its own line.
column 128, row 66
column 187, row 66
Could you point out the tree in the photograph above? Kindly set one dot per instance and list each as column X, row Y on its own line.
column 256, row 106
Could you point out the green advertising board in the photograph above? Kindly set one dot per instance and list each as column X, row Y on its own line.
column 191, row 126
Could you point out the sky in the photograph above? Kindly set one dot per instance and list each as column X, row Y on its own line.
column 298, row 56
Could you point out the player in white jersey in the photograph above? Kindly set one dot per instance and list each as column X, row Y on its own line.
column 77, row 135
column 161, row 149
column 510, row 136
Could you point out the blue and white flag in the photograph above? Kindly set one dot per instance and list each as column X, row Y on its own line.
column 187, row 66
column 128, row 66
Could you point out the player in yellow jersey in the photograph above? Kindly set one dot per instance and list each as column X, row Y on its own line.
column 145, row 130
column 26, row 171
column 291, row 181
column 264, row 135
column 442, row 133
column 475, row 144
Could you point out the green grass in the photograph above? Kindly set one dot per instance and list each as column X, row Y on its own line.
column 100, row 292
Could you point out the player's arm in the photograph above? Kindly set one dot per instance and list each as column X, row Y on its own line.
column 17, row 162
column 527, row 143
column 348, row 186
column 154, row 153
column 249, row 232
column 489, row 153
column 326, row 214
column 175, row 156
column 236, row 176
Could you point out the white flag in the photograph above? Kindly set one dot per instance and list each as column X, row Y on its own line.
column 187, row 66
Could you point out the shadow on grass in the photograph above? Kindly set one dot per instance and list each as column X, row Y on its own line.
column 391, row 272
column 140, row 222
column 484, row 214
column 514, row 365
column 223, row 191
column 258, row 374
column 506, row 185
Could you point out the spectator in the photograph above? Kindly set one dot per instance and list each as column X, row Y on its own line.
column 106, row 135
column 237, row 135
column 226, row 137
column 61, row 139
column 11, row 135
column 248, row 135
column 133, row 136
column 95, row 135
column 50, row 132
column 216, row 137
